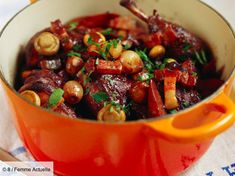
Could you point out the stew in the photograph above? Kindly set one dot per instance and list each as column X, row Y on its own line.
column 111, row 68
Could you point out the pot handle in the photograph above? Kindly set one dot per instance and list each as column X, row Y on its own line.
column 202, row 122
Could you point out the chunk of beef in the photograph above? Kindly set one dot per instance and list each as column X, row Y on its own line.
column 44, row 82
column 138, row 111
column 187, row 98
column 115, row 86
column 65, row 110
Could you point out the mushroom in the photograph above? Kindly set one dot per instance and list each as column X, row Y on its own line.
column 110, row 113
column 157, row 52
column 32, row 97
column 47, row 44
column 73, row 92
column 131, row 62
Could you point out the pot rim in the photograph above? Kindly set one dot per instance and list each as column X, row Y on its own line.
column 181, row 112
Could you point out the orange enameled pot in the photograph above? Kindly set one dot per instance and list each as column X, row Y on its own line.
column 155, row 147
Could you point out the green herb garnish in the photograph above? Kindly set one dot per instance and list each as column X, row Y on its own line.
column 72, row 53
column 84, row 81
column 55, row 97
column 187, row 46
column 204, row 56
column 198, row 57
column 117, row 106
column 83, row 70
column 114, row 95
column 201, row 57
column 111, row 109
column 120, row 37
column 79, row 48
column 148, row 63
column 100, row 97
column 97, row 61
column 89, row 76
column 173, row 111
column 140, row 78
column 126, row 47
column 115, row 43
column 87, row 90
column 186, row 104
column 145, row 77
column 111, row 82
column 89, row 41
column 194, row 74
column 162, row 66
column 73, row 25
column 126, row 108
column 105, row 47
column 106, row 31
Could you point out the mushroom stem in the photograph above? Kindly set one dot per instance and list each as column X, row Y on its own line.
column 131, row 6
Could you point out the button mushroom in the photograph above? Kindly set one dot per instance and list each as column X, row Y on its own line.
column 73, row 92
column 157, row 51
column 74, row 64
column 95, row 37
column 110, row 113
column 32, row 97
column 47, row 44
column 131, row 62
column 116, row 51
column 139, row 92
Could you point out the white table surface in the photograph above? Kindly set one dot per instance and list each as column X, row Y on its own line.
column 221, row 153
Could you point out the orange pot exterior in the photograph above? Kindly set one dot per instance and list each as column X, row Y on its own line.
column 161, row 147
column 135, row 149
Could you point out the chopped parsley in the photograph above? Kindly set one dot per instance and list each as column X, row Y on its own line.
column 89, row 41
column 104, row 50
column 79, row 48
column 173, row 111
column 114, row 43
column 111, row 109
column 161, row 66
column 72, row 53
column 114, row 95
column 145, row 77
column 83, row 70
column 107, row 31
column 73, row 25
column 126, row 47
column 201, row 57
column 84, row 81
column 186, row 104
column 55, row 97
column 100, row 97
column 120, row 38
column 97, row 61
column 148, row 63
column 108, row 46
column 88, row 77
column 87, row 91
column 194, row 74
column 127, row 108
column 111, row 82
column 113, row 104
column 186, row 46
